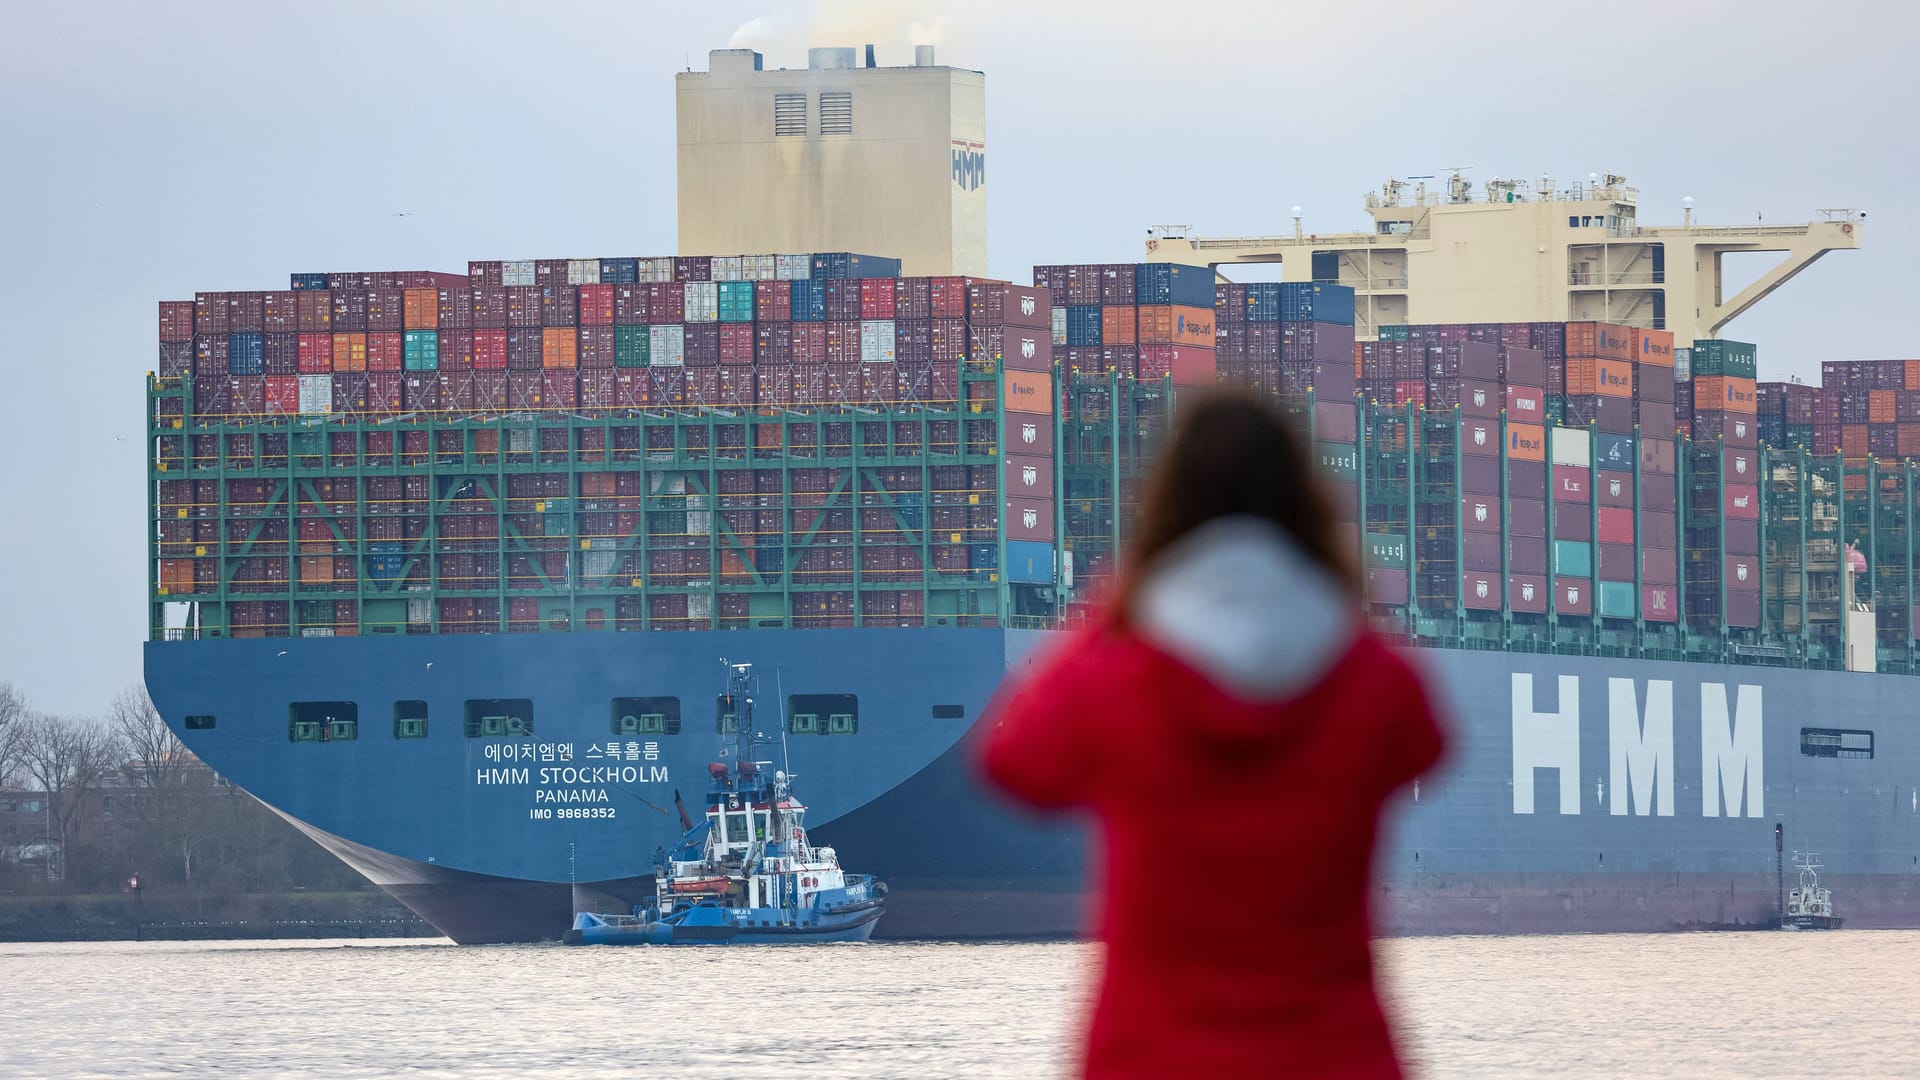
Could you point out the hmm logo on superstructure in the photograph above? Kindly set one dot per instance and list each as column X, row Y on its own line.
column 969, row 164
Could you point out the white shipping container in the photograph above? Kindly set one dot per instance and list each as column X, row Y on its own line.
column 699, row 518
column 757, row 268
column 727, row 267
column 876, row 341
column 1571, row 446
column 599, row 564
column 517, row 272
column 583, row 271
column 656, row 271
column 700, row 606
column 1060, row 328
column 666, row 346
column 520, row 440
column 419, row 611
column 1682, row 365
column 792, row 267
column 316, row 394
column 703, row 301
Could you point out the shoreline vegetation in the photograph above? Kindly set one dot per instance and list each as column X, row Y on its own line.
column 259, row 916
column 111, row 830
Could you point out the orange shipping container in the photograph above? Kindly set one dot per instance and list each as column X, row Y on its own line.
column 1167, row 324
column 420, row 309
column 1653, row 348
column 1912, row 372
column 349, row 352
column 1907, row 440
column 1724, row 393
column 559, row 347
column 1853, row 441
column 1880, row 407
column 1029, row 392
column 1526, row 442
column 1608, row 341
column 1613, row 378
column 176, row 575
column 1117, row 325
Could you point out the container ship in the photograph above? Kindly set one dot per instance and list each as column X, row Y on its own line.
column 445, row 567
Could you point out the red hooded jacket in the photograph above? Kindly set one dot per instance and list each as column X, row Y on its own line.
column 1236, row 737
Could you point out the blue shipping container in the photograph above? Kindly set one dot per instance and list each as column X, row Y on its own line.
column 809, row 300
column 1612, row 451
column 1173, row 283
column 304, row 282
column 1572, row 558
column 983, row 556
column 1029, row 562
column 1083, row 326
column 246, row 354
column 619, row 271
column 846, row 264
column 1308, row 301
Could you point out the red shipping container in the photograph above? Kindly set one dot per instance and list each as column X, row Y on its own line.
column 1528, row 593
column 1742, row 502
column 280, row 311
column 631, row 388
column 1482, row 590
column 703, row 385
column 559, row 390
column 1480, row 437
column 773, row 301
column 1573, row 596
column 386, row 351
column 736, row 344
column 385, row 392
column 1480, row 513
column 666, row 386
column 386, row 309
column 456, row 350
column 523, row 390
column 315, row 312
column 596, row 305
column 490, row 307
column 280, row 395
column 1658, row 604
column 666, row 304
column 1029, row 519
column 420, row 391
column 630, row 305
column 176, row 321
column 809, row 343
column 1658, row 566
column 489, row 390
column 735, row 386
column 247, row 394
column 598, row 387
column 559, row 305
column 490, row 350
column 1613, row 487
column 456, row 390
column 455, row 307
column 1571, row 483
column 876, row 298
column 210, row 313
column 316, row 354
column 1615, row 525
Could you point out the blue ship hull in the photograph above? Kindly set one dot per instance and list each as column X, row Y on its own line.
column 1559, row 809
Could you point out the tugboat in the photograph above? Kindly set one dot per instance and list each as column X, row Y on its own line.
column 747, row 875
column 1810, row 905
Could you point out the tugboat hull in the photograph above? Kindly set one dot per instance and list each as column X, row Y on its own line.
column 1812, row 922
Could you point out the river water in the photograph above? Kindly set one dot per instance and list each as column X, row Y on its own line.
column 1705, row 1005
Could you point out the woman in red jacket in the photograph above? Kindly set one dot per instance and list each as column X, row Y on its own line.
column 1236, row 731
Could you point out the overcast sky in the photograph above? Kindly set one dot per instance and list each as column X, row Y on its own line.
column 155, row 149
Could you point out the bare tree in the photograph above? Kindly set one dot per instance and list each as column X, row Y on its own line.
column 68, row 758
column 167, row 781
column 13, row 714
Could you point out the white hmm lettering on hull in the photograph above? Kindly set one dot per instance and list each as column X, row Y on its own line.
column 1640, row 747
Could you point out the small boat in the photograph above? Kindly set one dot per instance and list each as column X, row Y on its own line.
column 1810, row 904
column 748, row 875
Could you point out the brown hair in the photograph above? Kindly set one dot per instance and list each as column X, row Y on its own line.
column 1233, row 453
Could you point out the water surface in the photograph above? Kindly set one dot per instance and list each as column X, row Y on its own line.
column 1698, row 1005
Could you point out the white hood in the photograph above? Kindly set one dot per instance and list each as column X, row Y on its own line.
column 1238, row 600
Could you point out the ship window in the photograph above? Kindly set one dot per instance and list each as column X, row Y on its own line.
column 949, row 712
column 836, row 113
column 789, row 114
column 825, row 714
column 645, row 716
column 1573, row 221
column 498, row 718
column 323, row 721
column 199, row 723
column 1836, row 743
column 724, row 720
column 409, row 719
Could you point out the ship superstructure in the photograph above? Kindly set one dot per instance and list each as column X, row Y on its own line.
column 1443, row 249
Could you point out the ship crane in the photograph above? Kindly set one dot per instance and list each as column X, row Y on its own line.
column 1554, row 254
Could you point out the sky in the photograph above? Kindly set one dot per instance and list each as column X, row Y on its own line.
column 152, row 150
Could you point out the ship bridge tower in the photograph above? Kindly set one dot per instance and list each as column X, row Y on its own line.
column 1518, row 251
